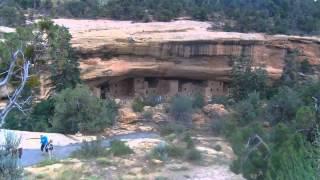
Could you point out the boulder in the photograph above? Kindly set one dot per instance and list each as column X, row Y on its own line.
column 161, row 108
column 215, row 110
column 160, row 117
column 178, row 167
column 118, row 102
column 199, row 118
column 126, row 115
column 156, row 161
column 147, row 109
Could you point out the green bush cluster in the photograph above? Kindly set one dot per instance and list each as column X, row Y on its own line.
column 91, row 149
column 70, row 111
column 11, row 16
column 284, row 123
column 269, row 16
column 184, row 149
column 198, row 101
column 137, row 105
column 176, row 152
column 172, row 128
column 193, row 155
column 119, row 148
column 102, row 161
column 78, row 110
column 9, row 161
column 181, row 108
column 271, row 128
column 96, row 149
column 148, row 115
column 63, row 67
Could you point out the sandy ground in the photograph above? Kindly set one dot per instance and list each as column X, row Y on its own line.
column 215, row 164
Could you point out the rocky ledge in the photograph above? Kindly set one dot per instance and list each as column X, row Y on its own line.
column 178, row 49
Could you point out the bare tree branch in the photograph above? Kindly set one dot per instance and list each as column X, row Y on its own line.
column 252, row 145
column 13, row 99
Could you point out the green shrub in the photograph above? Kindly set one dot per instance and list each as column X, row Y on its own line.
column 172, row 128
column 188, row 140
column 18, row 121
column 305, row 118
column 38, row 120
column 217, row 147
column 170, row 137
column 163, row 151
column 102, row 161
column 9, row 166
column 119, row 148
column 224, row 100
column 41, row 116
column 91, row 149
column 292, row 161
column 246, row 79
column 41, row 176
column 193, row 155
column 147, row 115
column 181, row 108
column 198, row 101
column 284, row 105
column 78, row 110
column 305, row 67
column 245, row 112
column 160, row 152
column 218, row 126
column 11, row 16
column 137, row 105
column 176, row 151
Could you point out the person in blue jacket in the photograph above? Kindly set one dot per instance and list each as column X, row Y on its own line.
column 43, row 141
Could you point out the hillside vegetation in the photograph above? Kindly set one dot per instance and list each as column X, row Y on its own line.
column 270, row 16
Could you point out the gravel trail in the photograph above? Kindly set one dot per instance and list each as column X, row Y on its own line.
column 64, row 145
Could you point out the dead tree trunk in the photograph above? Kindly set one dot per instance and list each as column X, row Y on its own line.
column 15, row 69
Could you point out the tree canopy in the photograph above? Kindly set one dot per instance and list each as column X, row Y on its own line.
column 270, row 16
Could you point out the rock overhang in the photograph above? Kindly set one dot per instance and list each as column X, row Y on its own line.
column 187, row 49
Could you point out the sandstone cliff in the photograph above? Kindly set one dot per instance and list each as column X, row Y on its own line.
column 179, row 49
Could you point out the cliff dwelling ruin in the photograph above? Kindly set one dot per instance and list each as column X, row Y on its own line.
column 126, row 59
column 163, row 87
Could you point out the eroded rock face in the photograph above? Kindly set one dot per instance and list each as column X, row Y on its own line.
column 179, row 49
column 215, row 110
column 126, row 115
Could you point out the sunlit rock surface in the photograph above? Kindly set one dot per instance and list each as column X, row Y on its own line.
column 179, row 49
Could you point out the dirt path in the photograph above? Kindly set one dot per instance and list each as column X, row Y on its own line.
column 33, row 156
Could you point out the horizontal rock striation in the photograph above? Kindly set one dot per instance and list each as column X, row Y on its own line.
column 112, row 50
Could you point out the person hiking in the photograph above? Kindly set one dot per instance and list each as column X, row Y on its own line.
column 49, row 148
column 43, row 141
